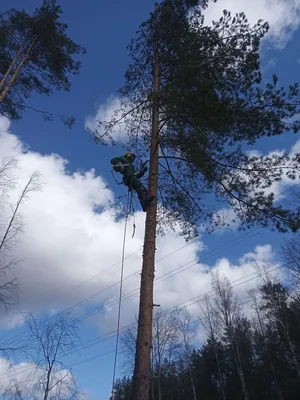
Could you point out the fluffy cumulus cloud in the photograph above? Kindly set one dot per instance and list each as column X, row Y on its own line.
column 109, row 111
column 71, row 248
column 182, row 280
column 23, row 380
column 282, row 15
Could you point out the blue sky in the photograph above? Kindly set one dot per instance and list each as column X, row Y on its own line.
column 90, row 244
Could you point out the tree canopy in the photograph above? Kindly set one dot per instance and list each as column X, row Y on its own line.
column 213, row 103
column 36, row 56
column 242, row 357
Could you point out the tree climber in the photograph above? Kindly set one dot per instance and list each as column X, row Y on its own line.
column 124, row 165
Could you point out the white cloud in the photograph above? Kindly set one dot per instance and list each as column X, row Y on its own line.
column 111, row 109
column 271, row 64
column 66, row 243
column 228, row 218
column 188, row 280
column 279, row 188
column 282, row 15
column 26, row 378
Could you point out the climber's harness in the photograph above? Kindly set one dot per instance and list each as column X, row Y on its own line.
column 119, row 168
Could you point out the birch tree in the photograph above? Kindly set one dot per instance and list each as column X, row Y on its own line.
column 227, row 314
column 210, row 325
column 45, row 377
column 11, row 228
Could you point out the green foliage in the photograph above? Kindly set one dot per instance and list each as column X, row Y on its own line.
column 40, row 41
column 4, row 45
column 213, row 102
column 265, row 356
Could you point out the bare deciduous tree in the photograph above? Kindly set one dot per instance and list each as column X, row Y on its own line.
column 172, row 336
column 186, row 332
column 46, row 377
column 290, row 252
column 226, row 312
column 11, row 227
column 210, row 326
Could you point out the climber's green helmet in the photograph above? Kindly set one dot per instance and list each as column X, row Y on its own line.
column 131, row 157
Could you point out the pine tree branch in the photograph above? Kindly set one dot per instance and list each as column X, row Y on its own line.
column 113, row 123
column 41, row 112
column 239, row 200
column 182, row 188
column 228, row 165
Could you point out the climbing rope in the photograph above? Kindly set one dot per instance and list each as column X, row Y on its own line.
column 132, row 211
column 115, row 179
column 129, row 200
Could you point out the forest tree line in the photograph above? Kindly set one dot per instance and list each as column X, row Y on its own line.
column 251, row 348
column 248, row 353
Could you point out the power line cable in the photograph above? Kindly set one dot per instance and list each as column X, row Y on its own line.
column 167, row 311
column 130, row 294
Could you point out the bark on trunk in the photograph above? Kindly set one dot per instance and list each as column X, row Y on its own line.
column 12, row 64
column 7, row 88
column 46, row 393
column 142, row 368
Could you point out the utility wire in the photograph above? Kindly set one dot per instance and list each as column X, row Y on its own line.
column 128, row 277
column 166, row 276
column 128, row 295
column 166, row 312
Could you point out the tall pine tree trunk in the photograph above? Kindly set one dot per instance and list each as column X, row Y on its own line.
column 7, row 88
column 12, row 64
column 142, row 368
